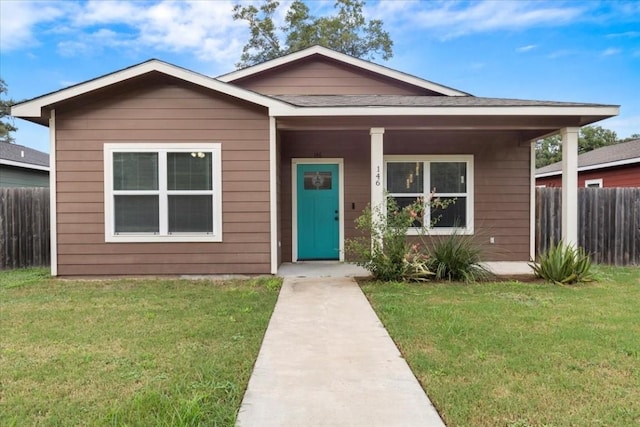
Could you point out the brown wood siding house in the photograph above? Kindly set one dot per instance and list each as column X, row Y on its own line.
column 293, row 150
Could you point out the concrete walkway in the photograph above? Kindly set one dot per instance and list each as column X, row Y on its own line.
column 326, row 360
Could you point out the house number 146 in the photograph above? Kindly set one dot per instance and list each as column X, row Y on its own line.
column 378, row 177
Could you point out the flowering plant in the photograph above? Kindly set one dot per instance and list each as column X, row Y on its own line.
column 387, row 253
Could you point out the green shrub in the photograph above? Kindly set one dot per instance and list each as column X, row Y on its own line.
column 385, row 251
column 456, row 257
column 563, row 264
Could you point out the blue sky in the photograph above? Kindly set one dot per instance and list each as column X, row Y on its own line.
column 586, row 51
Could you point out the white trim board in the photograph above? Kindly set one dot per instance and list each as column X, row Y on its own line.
column 294, row 201
column 273, row 194
column 53, row 196
column 33, row 108
column 24, row 165
column 290, row 111
column 532, row 201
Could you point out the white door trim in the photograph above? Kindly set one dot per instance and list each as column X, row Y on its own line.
column 294, row 200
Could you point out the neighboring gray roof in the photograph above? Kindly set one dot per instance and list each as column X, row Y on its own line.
column 21, row 154
column 417, row 101
column 611, row 155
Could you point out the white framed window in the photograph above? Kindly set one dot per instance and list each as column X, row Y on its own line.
column 162, row 192
column 593, row 183
column 449, row 176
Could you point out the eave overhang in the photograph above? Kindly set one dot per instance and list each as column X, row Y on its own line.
column 37, row 109
column 600, row 112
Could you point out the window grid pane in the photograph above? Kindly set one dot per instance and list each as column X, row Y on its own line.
column 448, row 177
column 190, row 214
column 136, row 214
column 403, row 202
column 189, row 171
column 454, row 215
column 135, row 171
column 405, row 177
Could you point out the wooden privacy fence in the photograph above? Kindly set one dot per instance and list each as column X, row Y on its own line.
column 24, row 227
column 608, row 222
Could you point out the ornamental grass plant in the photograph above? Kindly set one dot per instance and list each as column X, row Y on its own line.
column 456, row 257
column 563, row 264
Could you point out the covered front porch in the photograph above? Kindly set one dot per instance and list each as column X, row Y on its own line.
column 498, row 161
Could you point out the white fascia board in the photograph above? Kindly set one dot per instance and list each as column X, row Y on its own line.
column 544, row 175
column 596, row 166
column 33, row 108
column 356, row 62
column 289, row 111
column 610, row 164
column 24, row 165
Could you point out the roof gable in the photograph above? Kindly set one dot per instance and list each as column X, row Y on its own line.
column 360, row 65
column 33, row 109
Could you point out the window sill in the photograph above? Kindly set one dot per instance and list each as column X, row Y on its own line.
column 441, row 231
column 133, row 238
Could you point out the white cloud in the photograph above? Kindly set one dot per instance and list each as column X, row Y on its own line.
column 626, row 34
column 526, row 48
column 611, row 51
column 624, row 126
column 449, row 19
column 561, row 53
column 18, row 19
column 204, row 28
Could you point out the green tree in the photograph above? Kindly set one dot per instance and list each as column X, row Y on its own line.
column 348, row 31
column 631, row 138
column 549, row 150
column 6, row 121
column 592, row 137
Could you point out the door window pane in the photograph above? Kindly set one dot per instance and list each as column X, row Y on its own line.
column 190, row 214
column 454, row 215
column 136, row 214
column 189, row 171
column 449, row 177
column 135, row 171
column 405, row 177
column 317, row 180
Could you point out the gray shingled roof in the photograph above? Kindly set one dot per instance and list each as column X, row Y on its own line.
column 22, row 154
column 612, row 153
column 417, row 101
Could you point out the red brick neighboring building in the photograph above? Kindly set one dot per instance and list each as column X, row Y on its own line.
column 616, row 165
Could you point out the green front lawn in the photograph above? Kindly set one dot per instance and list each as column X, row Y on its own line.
column 522, row 354
column 128, row 352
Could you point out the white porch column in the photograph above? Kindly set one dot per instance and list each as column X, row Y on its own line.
column 377, row 167
column 570, row 185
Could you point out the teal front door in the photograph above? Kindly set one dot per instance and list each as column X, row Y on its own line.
column 318, row 211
